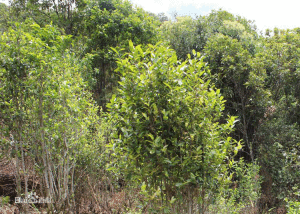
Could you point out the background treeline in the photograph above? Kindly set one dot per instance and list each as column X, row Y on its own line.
column 107, row 108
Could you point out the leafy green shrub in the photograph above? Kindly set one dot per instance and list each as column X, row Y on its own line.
column 244, row 192
column 293, row 203
column 293, row 207
column 45, row 108
column 168, row 134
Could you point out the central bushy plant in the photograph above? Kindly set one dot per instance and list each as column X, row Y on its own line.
column 168, row 135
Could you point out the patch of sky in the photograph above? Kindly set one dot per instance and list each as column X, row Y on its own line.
column 191, row 10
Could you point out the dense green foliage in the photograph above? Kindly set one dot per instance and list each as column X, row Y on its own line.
column 167, row 116
column 99, row 98
column 112, row 24
column 278, row 134
column 44, row 106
